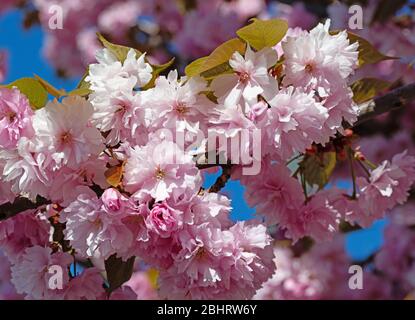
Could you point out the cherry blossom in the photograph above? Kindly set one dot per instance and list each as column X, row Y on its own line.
column 158, row 169
column 15, row 117
column 250, row 78
column 64, row 132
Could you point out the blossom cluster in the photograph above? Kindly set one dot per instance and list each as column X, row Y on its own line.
column 117, row 184
column 323, row 271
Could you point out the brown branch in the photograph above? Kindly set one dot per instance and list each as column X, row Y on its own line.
column 392, row 100
column 222, row 179
column 20, row 204
column 202, row 162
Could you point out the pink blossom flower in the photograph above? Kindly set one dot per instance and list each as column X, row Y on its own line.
column 293, row 279
column 31, row 274
column 216, row 264
column 243, row 8
column 87, row 286
column 395, row 258
column 119, row 17
column 88, row 44
column 404, row 214
column 123, row 293
column 109, row 74
column 291, row 33
column 68, row 183
column 195, row 38
column 122, row 114
column 179, row 104
column 378, row 148
column 15, row 117
column 294, row 121
column 319, row 273
column 113, row 201
column 316, row 59
column 7, row 290
column 274, row 193
column 138, row 287
column 92, row 231
column 163, row 220
column 250, row 78
column 26, row 169
column 387, row 186
column 155, row 245
column 317, row 218
column 340, row 107
column 64, row 131
column 230, row 120
column 27, row 229
column 158, row 169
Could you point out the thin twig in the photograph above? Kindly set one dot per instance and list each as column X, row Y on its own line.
column 20, row 204
column 222, row 179
column 350, row 156
column 392, row 100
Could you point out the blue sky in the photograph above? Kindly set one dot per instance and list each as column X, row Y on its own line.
column 25, row 55
column 25, row 59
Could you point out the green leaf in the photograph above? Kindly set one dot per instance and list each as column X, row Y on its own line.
column 263, row 33
column 157, row 69
column 218, row 61
column 33, row 90
column 216, row 71
column 192, row 69
column 82, row 92
column 50, row 88
column 83, row 87
column 368, row 88
column 368, row 54
column 118, row 271
column 318, row 168
column 120, row 52
column 84, row 84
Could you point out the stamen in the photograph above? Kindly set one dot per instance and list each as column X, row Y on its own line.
column 181, row 108
column 243, row 77
column 66, row 137
column 309, row 68
column 160, row 174
column 11, row 116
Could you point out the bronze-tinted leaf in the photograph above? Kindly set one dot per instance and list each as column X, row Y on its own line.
column 368, row 54
column 114, row 175
column 119, row 51
column 50, row 88
column 368, row 88
column 118, row 271
column 217, row 62
column 318, row 168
